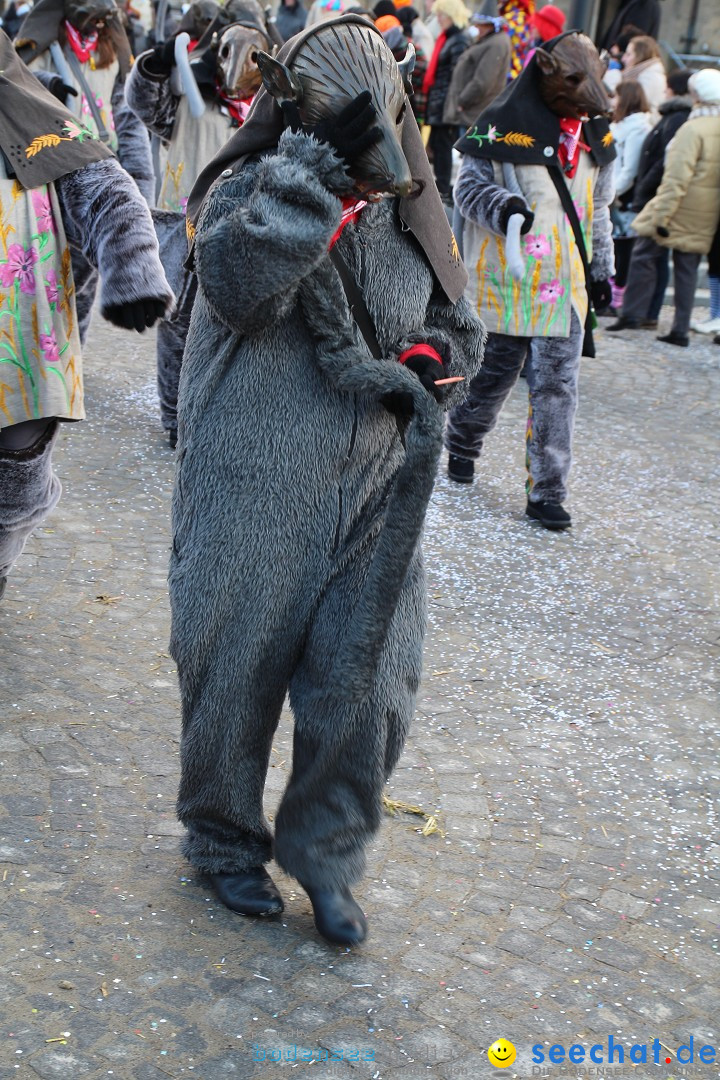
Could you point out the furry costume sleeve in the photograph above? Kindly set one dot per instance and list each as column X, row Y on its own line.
column 265, row 229
column 452, row 329
column 151, row 99
column 478, row 197
column 133, row 144
column 108, row 220
column 602, row 266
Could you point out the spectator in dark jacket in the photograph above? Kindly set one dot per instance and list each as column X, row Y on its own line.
column 290, row 18
column 643, row 14
column 453, row 17
column 480, row 73
column 397, row 42
column 673, row 113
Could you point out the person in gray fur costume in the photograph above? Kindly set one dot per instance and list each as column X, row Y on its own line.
column 60, row 190
column 539, row 149
column 306, row 457
column 227, row 78
column 83, row 43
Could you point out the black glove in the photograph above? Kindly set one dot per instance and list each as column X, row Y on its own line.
column 428, row 371
column 600, row 294
column 516, row 205
column 662, row 231
column 162, row 58
column 137, row 315
column 60, row 89
column 351, row 132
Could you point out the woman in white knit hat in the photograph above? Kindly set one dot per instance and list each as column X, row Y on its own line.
column 685, row 212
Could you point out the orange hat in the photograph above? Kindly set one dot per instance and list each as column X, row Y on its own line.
column 549, row 21
column 403, row 3
column 386, row 22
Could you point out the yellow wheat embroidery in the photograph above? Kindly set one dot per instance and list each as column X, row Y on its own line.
column 492, row 300
column 175, row 176
column 516, row 304
column 454, row 249
column 558, row 251
column 41, row 143
column 607, row 138
column 16, row 191
column 517, row 138
column 190, row 230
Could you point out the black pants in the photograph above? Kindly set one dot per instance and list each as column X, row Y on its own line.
column 442, row 139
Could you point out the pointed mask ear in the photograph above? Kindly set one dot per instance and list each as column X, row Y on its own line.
column 546, row 62
column 407, row 66
column 278, row 79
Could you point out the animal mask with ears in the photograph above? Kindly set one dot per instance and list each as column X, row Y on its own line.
column 329, row 70
column 571, row 79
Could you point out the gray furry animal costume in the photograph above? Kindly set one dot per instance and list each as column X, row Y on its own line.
column 189, row 143
column 44, row 44
column 61, row 191
column 298, row 502
column 523, row 150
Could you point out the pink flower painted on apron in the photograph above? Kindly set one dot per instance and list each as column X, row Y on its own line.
column 537, row 246
column 550, row 292
column 43, row 212
column 19, row 266
column 51, row 287
column 49, row 346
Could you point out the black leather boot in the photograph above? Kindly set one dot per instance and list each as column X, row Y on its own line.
column 338, row 917
column 249, row 892
column 461, row 470
column 551, row 515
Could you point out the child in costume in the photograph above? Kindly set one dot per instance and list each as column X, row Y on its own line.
column 227, row 77
column 84, row 43
column 534, row 155
column 309, row 436
column 60, row 190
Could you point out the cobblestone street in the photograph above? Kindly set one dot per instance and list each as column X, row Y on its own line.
column 560, row 883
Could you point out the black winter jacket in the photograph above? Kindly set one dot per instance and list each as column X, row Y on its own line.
column 451, row 52
column 644, row 14
column 673, row 114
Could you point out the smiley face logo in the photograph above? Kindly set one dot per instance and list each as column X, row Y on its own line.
column 501, row 1054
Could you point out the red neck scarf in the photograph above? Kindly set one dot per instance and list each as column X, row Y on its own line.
column 237, row 107
column 83, row 47
column 432, row 67
column 352, row 208
column 570, row 145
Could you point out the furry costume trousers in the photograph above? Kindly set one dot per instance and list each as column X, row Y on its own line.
column 342, row 752
column 29, row 489
column 171, row 336
column 552, row 376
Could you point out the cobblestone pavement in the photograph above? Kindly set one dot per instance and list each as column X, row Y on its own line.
column 566, row 743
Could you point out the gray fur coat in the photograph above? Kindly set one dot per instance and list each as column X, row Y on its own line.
column 285, row 452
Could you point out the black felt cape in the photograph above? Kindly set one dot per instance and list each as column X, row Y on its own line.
column 519, row 128
column 39, row 137
column 424, row 216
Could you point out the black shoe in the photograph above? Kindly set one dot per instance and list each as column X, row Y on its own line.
column 624, row 324
column 675, row 339
column 3, row 584
column 716, row 339
column 172, row 438
column 461, row 469
column 649, row 324
column 550, row 515
column 338, row 917
column 250, row 892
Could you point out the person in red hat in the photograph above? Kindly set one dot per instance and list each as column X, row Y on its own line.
column 547, row 23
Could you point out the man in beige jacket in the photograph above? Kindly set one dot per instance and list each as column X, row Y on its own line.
column 685, row 212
